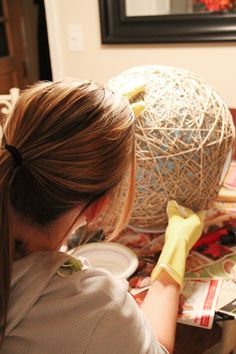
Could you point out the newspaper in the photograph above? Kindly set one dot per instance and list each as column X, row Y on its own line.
column 208, row 264
column 198, row 301
column 223, row 269
column 213, row 246
column 227, row 298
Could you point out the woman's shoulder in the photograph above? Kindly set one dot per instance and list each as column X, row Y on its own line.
column 87, row 301
column 88, row 281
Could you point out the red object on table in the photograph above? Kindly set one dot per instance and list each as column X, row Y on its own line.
column 210, row 237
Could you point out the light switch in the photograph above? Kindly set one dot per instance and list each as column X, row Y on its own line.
column 75, row 38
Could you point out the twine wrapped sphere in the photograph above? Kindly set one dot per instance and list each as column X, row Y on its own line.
column 185, row 139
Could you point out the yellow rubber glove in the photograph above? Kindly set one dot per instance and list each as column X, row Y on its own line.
column 132, row 89
column 183, row 230
column 138, row 108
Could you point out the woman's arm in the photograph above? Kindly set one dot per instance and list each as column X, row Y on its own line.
column 160, row 307
column 161, row 303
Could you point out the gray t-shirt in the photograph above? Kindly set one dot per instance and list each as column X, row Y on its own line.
column 87, row 311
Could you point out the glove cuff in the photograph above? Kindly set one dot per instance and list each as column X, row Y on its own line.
column 172, row 260
column 167, row 268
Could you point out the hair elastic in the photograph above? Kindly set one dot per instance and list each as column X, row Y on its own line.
column 15, row 154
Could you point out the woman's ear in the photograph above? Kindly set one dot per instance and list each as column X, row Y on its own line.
column 95, row 209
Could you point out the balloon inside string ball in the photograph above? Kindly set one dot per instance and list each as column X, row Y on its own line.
column 185, row 139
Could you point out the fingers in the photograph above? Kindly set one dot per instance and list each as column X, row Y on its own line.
column 172, row 208
column 197, row 222
column 201, row 215
column 133, row 88
column 138, row 108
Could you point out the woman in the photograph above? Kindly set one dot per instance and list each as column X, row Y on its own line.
column 68, row 157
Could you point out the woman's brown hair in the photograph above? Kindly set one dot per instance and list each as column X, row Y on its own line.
column 76, row 140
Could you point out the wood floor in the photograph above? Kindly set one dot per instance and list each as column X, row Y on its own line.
column 194, row 340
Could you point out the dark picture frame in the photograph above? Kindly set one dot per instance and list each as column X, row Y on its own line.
column 117, row 28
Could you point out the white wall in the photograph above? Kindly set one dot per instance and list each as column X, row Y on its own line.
column 216, row 63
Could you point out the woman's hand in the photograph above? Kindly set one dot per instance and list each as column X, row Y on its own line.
column 183, row 230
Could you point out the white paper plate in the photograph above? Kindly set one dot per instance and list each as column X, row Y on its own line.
column 114, row 257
